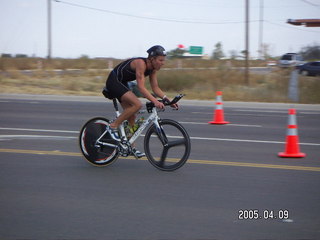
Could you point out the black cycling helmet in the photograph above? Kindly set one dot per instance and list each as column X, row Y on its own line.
column 156, row 50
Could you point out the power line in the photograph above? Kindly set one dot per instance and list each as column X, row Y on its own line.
column 148, row 18
column 175, row 20
column 310, row 3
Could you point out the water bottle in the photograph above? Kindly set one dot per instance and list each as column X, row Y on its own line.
column 139, row 122
column 127, row 129
column 131, row 130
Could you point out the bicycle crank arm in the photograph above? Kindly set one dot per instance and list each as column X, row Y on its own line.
column 106, row 144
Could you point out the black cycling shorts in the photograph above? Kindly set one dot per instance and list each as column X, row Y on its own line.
column 116, row 89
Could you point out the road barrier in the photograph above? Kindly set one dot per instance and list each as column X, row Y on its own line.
column 292, row 140
column 218, row 116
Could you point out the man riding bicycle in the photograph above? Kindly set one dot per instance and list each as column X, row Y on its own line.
column 130, row 70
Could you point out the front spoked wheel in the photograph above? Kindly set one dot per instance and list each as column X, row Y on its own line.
column 167, row 147
column 98, row 148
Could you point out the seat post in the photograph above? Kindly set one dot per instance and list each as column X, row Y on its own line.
column 107, row 94
column 115, row 104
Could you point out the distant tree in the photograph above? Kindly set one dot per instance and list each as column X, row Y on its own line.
column 233, row 54
column 176, row 53
column 265, row 51
column 6, row 55
column 218, row 52
column 19, row 55
column 310, row 52
column 84, row 56
column 244, row 54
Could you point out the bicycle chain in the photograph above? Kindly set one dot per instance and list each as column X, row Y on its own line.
column 124, row 148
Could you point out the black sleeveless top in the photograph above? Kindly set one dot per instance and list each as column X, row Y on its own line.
column 124, row 72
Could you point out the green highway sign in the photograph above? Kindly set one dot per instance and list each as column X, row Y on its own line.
column 195, row 50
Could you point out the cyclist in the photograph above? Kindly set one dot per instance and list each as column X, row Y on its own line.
column 130, row 70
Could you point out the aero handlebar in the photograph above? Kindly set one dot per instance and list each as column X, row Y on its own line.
column 150, row 105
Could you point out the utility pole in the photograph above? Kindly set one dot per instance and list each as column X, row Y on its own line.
column 261, row 29
column 247, row 81
column 49, row 29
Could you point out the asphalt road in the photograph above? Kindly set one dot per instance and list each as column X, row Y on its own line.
column 48, row 191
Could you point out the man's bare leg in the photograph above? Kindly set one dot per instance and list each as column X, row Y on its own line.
column 131, row 105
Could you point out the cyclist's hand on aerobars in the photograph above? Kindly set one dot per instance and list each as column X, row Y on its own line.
column 167, row 100
column 158, row 104
column 175, row 106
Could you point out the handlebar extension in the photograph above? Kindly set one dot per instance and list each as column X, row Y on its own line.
column 150, row 105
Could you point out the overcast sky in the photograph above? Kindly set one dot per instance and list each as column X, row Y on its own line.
column 127, row 28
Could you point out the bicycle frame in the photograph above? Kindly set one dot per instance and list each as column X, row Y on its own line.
column 100, row 148
column 153, row 118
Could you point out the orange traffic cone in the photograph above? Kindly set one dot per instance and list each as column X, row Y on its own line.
column 218, row 116
column 292, row 139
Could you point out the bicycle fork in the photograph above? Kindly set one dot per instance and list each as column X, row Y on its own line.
column 164, row 140
column 161, row 134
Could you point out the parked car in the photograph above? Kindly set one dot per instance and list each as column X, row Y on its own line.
column 290, row 60
column 310, row 68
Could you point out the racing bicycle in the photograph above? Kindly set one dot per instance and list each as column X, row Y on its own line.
column 166, row 142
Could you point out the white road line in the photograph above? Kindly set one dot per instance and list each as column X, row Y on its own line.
column 66, row 131
column 6, row 137
column 38, row 130
column 231, row 124
column 77, row 132
column 206, row 113
column 248, row 140
column 264, row 111
column 243, row 125
column 272, row 111
column 258, row 114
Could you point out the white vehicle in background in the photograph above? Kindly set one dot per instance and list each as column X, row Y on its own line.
column 272, row 63
column 290, row 60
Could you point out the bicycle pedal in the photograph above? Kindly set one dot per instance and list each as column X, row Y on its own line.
column 137, row 154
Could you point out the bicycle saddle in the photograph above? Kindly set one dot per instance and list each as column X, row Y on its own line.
column 107, row 94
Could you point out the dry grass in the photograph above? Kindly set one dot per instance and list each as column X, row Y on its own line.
column 196, row 84
column 87, row 63
column 272, row 87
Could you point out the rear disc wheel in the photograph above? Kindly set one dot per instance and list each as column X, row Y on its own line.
column 93, row 151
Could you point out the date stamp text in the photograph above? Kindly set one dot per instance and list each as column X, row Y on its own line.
column 255, row 214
